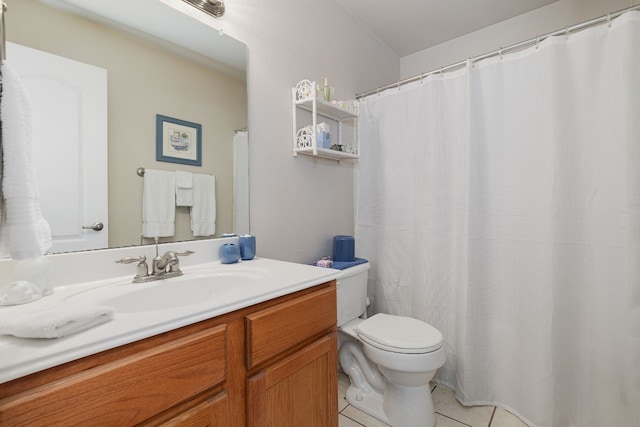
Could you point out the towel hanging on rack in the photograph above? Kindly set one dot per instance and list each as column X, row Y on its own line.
column 158, row 203
column 203, row 211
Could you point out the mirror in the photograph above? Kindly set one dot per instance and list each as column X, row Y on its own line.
column 158, row 61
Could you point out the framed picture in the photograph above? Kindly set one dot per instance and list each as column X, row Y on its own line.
column 178, row 141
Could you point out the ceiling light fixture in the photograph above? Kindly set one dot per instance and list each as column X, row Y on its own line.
column 212, row 7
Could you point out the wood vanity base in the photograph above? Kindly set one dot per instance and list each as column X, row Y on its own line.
column 271, row 364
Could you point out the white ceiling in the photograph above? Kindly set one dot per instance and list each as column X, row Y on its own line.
column 409, row 26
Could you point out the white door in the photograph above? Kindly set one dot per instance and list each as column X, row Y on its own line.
column 69, row 102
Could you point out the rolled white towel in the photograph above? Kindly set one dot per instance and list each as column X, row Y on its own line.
column 52, row 320
column 20, row 292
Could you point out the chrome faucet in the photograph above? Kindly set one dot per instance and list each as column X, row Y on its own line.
column 164, row 267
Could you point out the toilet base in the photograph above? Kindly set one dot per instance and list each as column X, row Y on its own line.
column 411, row 408
column 370, row 403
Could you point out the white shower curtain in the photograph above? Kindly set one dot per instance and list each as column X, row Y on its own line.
column 501, row 204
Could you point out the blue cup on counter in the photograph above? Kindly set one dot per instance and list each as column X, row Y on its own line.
column 229, row 253
column 247, row 247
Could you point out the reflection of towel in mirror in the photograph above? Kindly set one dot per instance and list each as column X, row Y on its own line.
column 25, row 233
column 203, row 211
column 158, row 203
column 51, row 320
column 184, row 188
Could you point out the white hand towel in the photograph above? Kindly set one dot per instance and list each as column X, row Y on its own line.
column 184, row 188
column 158, row 203
column 203, row 211
column 52, row 321
column 25, row 233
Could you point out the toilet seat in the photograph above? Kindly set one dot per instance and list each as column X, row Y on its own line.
column 399, row 334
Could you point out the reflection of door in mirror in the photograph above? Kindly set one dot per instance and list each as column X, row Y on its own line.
column 69, row 128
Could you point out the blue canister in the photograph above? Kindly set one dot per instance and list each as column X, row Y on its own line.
column 229, row 253
column 344, row 248
column 247, row 247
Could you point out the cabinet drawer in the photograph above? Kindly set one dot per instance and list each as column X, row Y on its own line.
column 125, row 391
column 279, row 328
column 212, row 413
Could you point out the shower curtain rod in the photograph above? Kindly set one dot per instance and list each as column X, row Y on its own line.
column 501, row 51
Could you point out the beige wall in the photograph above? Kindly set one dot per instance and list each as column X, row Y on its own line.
column 143, row 81
column 541, row 21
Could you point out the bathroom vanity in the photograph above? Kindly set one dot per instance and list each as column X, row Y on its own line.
column 272, row 362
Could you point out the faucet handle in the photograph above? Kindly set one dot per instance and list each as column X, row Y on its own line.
column 141, row 271
column 130, row 259
column 184, row 253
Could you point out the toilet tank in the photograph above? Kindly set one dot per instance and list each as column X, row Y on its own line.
column 352, row 293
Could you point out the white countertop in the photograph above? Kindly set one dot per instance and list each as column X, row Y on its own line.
column 22, row 356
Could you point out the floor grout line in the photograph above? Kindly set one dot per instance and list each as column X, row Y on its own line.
column 451, row 418
column 492, row 415
column 346, row 416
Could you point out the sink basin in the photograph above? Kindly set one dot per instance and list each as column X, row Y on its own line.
column 194, row 287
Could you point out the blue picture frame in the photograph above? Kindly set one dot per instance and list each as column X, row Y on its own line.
column 178, row 141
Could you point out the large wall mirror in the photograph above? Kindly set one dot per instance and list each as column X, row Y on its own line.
column 157, row 61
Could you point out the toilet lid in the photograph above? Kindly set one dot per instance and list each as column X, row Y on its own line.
column 399, row 334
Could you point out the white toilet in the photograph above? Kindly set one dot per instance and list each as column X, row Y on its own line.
column 391, row 360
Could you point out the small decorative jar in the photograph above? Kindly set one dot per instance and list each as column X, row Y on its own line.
column 229, row 253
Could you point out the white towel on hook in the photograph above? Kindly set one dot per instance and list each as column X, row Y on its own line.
column 184, row 188
column 158, row 203
column 52, row 320
column 24, row 233
column 203, row 211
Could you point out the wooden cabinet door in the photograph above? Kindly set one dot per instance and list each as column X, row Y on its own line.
column 300, row 390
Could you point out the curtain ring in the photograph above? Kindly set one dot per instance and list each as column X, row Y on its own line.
column 398, row 85
column 473, row 61
column 421, row 77
column 537, row 42
column 500, row 53
column 609, row 19
column 441, row 71
column 378, row 91
column 566, row 33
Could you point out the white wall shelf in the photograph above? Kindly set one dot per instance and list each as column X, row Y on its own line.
column 305, row 141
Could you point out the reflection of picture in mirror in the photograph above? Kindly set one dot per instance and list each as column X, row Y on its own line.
column 178, row 141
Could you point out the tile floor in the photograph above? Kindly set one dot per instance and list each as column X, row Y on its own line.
column 449, row 412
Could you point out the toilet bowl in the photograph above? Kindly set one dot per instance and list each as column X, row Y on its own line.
column 389, row 359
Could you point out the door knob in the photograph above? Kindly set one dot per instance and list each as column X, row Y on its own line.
column 96, row 226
